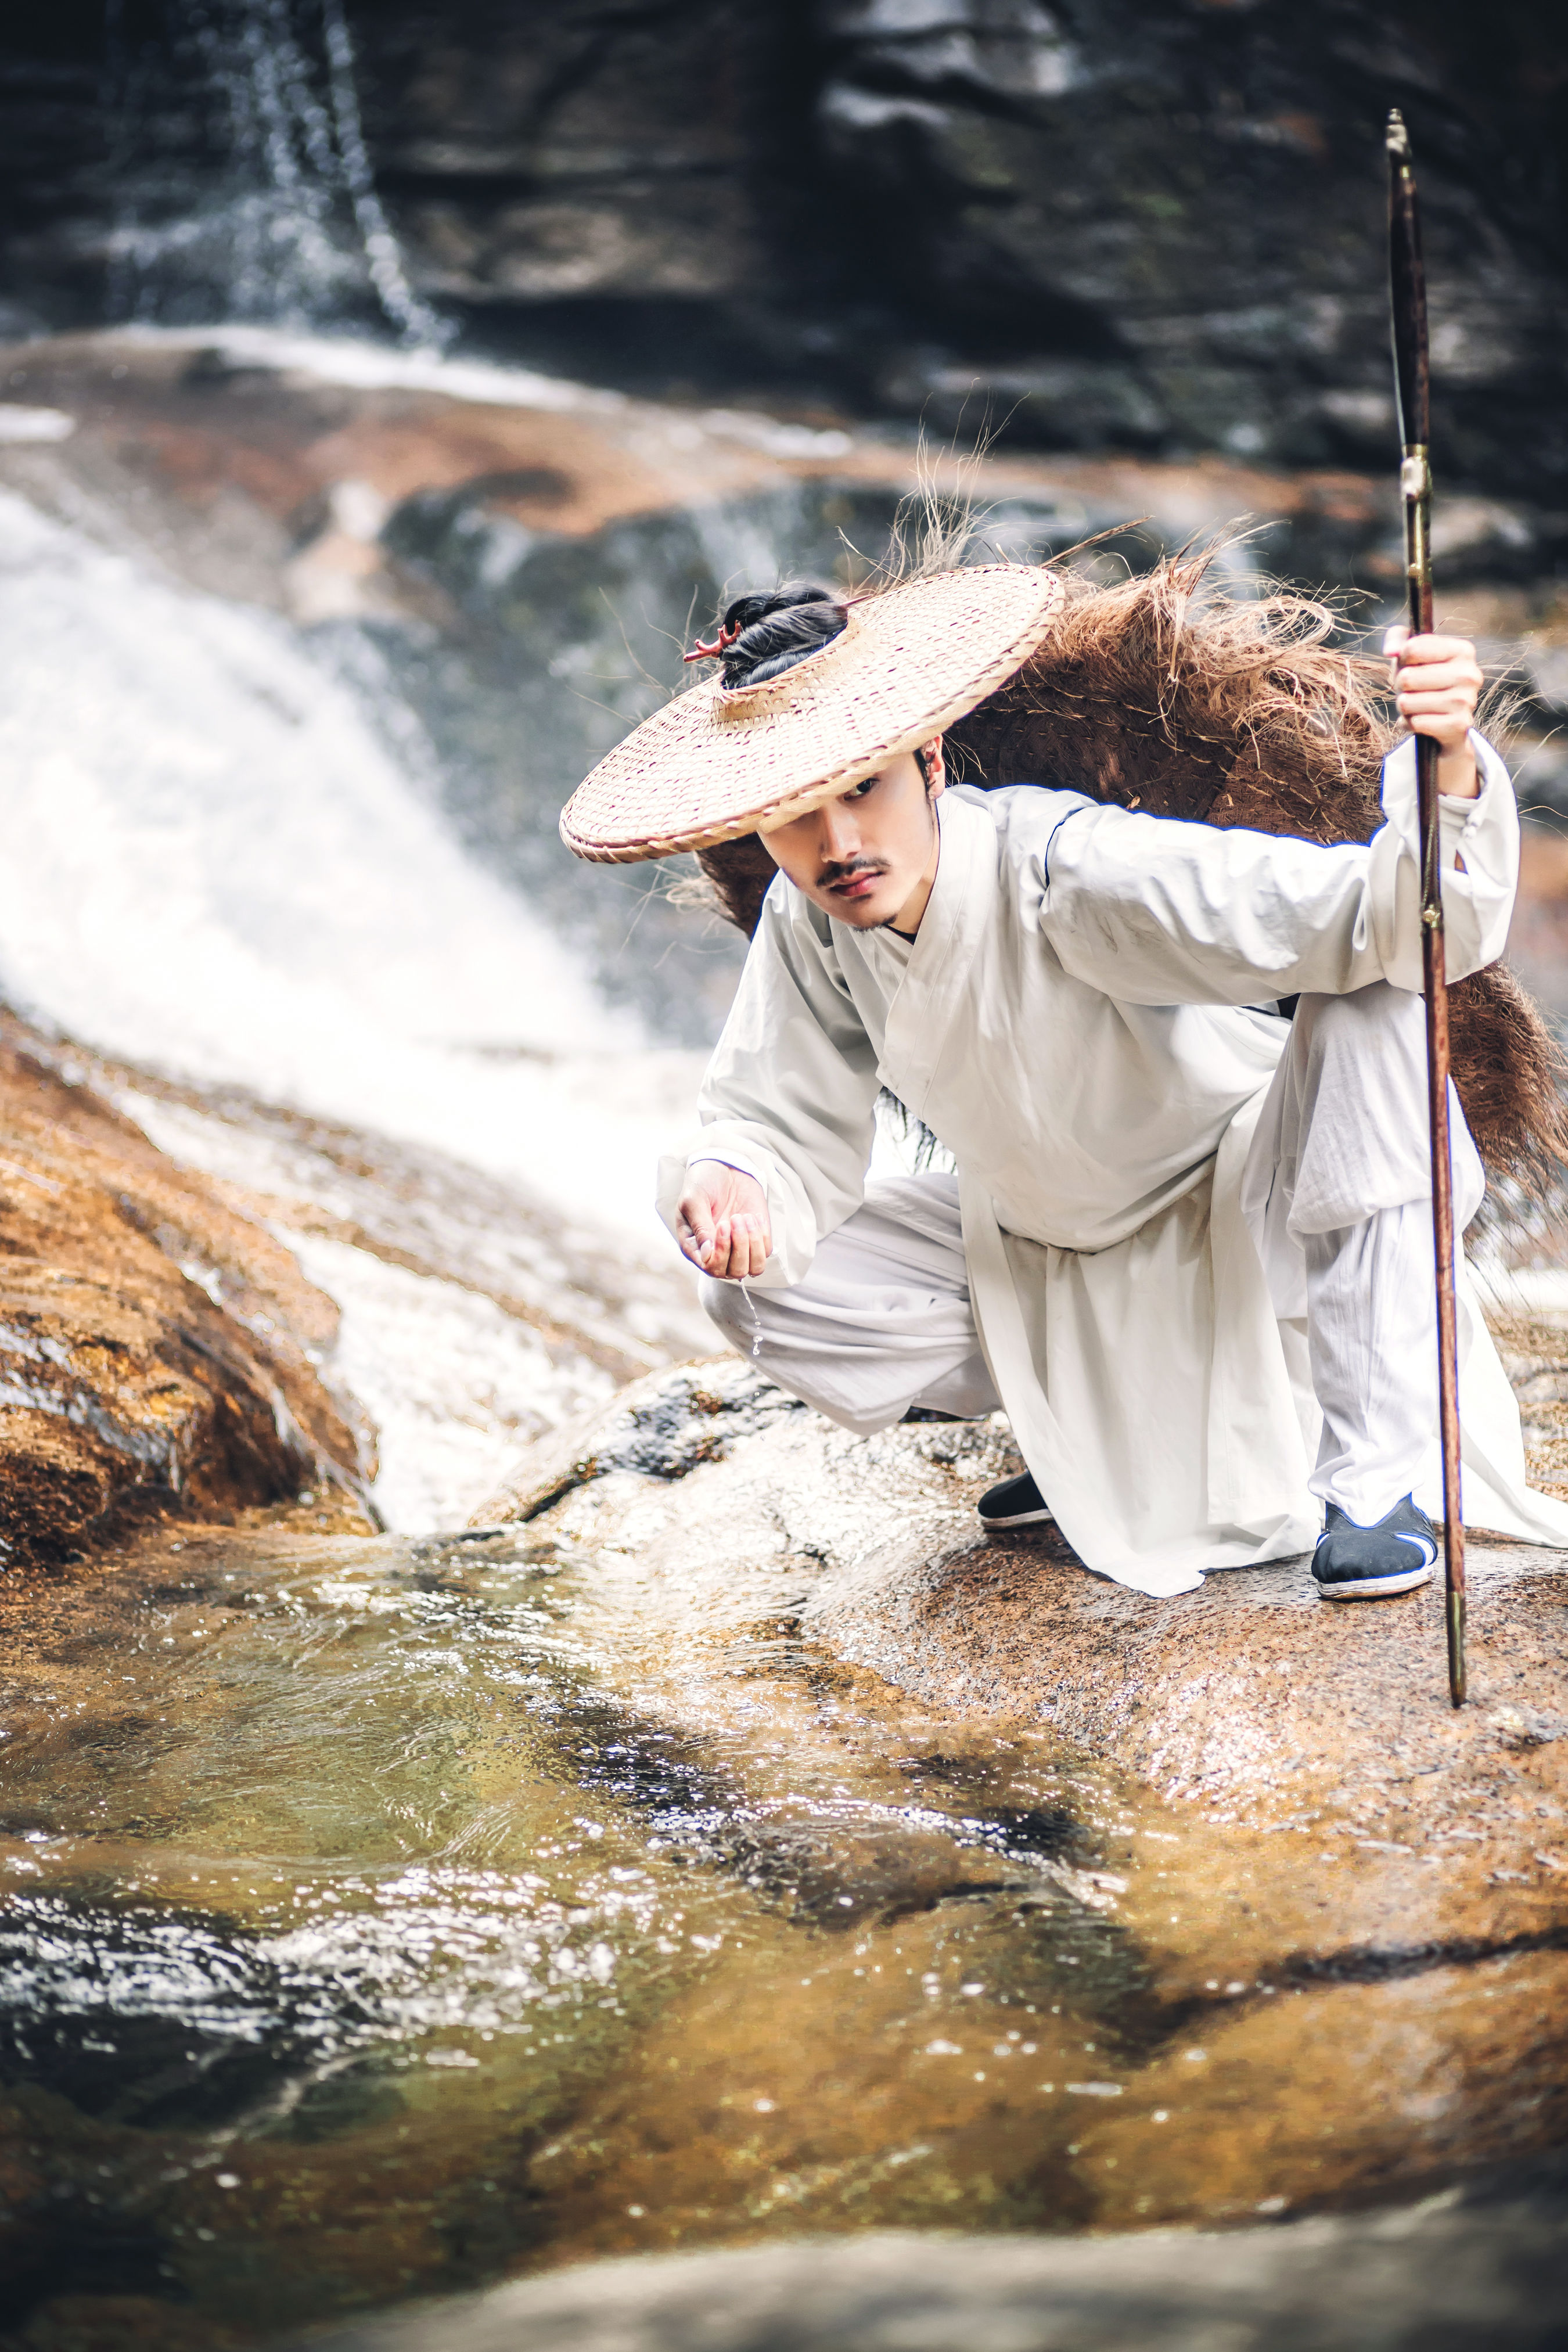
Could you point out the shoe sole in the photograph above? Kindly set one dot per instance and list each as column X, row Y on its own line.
column 1374, row 1588
column 1024, row 1519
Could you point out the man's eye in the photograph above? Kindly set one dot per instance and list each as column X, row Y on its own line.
column 858, row 792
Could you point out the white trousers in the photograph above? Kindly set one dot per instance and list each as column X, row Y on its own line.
column 1337, row 1196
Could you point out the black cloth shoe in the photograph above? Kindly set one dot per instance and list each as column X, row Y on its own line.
column 1015, row 1503
column 1353, row 1563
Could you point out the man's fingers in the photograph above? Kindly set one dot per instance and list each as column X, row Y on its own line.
column 744, row 1256
column 1400, row 646
column 1447, row 732
column 730, row 1255
column 1435, row 649
column 1452, row 670
column 1435, row 706
column 1454, row 704
column 1435, row 682
column 731, row 1244
column 1433, row 686
column 1432, row 675
column 740, row 1248
column 695, row 1218
column 699, row 1252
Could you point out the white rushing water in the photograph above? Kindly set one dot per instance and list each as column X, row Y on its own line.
column 215, row 868
column 289, row 223
column 213, row 865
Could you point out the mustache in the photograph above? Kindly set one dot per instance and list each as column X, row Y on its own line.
column 841, row 869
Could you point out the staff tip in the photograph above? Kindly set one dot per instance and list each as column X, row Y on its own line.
column 1396, row 138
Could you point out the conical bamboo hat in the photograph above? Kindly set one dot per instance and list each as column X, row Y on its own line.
column 716, row 763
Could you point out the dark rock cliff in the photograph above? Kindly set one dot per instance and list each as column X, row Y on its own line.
column 1146, row 223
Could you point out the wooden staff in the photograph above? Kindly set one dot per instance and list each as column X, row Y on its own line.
column 1412, row 384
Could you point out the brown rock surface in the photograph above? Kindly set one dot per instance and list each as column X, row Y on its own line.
column 224, row 466
column 158, row 1350
column 1248, row 1699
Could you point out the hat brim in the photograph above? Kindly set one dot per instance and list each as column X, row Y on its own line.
column 715, row 764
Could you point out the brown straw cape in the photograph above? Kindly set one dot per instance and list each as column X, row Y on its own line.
column 715, row 764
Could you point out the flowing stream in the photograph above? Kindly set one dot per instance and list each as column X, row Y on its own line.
column 383, row 1916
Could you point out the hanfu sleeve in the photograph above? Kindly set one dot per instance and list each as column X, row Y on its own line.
column 790, row 1094
column 1156, row 911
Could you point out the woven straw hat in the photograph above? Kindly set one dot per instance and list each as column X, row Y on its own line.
column 713, row 764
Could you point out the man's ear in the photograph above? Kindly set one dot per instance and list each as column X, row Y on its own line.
column 933, row 766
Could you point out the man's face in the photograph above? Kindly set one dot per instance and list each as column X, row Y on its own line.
column 870, row 857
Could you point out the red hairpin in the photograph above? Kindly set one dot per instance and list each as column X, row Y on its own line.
column 721, row 644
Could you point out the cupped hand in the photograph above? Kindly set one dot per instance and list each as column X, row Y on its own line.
column 1436, row 682
column 722, row 1221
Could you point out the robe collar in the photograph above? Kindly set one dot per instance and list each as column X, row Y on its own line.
column 959, row 911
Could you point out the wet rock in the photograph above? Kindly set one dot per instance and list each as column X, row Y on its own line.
column 1186, row 200
column 157, row 1351
column 833, row 1877
column 1488, row 539
column 1247, row 1698
column 663, row 1427
column 1065, row 403
column 598, row 1798
column 1482, row 2268
column 141, row 2019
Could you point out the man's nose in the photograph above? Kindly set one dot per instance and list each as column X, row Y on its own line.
column 840, row 835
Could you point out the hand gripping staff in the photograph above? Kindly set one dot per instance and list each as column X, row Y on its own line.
column 1412, row 384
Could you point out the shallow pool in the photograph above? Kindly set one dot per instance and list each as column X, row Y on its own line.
column 382, row 1917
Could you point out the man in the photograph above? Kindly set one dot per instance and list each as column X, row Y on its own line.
column 1187, row 1245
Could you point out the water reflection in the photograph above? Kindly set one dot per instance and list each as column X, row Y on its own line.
column 379, row 1919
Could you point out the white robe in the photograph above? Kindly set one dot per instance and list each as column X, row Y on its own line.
column 1072, row 1023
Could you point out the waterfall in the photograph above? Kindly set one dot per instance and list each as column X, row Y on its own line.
column 298, row 234
column 217, row 867
column 416, row 321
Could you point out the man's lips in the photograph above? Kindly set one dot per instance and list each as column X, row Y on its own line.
column 858, row 885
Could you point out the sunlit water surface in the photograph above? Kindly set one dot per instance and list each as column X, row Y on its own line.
column 384, row 1916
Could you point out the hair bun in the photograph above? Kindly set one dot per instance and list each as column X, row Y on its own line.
column 778, row 628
